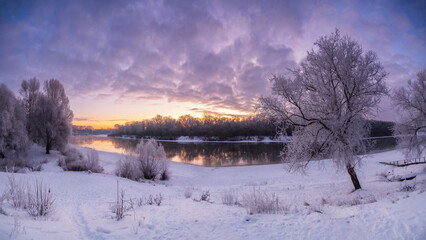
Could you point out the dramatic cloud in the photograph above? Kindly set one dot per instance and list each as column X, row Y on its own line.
column 213, row 54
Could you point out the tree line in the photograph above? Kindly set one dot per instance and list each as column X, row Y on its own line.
column 42, row 116
column 209, row 125
column 217, row 127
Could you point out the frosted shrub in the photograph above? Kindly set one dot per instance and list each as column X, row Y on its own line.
column 148, row 161
column 151, row 159
column 188, row 192
column 2, row 211
column 71, row 160
column 40, row 201
column 92, row 162
column 205, row 196
column 408, row 187
column 157, row 200
column 15, row 193
column 127, row 167
column 74, row 160
column 121, row 206
column 230, row 197
column 164, row 170
column 258, row 201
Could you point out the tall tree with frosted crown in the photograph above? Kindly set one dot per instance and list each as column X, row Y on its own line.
column 327, row 99
column 13, row 135
column 49, row 114
column 411, row 129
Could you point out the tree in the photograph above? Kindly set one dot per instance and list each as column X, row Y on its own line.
column 13, row 135
column 326, row 100
column 50, row 117
column 30, row 90
column 410, row 131
column 56, row 93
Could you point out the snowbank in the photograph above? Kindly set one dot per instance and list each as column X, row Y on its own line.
column 319, row 205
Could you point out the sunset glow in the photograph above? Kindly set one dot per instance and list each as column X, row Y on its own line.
column 123, row 61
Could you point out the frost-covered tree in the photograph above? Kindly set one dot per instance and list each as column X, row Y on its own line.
column 30, row 90
column 411, row 130
column 13, row 134
column 50, row 117
column 56, row 93
column 326, row 100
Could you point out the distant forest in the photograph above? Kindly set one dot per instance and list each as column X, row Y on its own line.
column 89, row 130
column 209, row 126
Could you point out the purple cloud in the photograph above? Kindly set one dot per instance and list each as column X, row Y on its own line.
column 219, row 54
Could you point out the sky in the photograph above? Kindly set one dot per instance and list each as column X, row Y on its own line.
column 123, row 61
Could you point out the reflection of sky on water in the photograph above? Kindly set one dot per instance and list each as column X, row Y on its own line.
column 203, row 154
column 208, row 153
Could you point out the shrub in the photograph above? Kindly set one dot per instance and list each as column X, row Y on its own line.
column 2, row 211
column 407, row 187
column 93, row 161
column 69, row 161
column 151, row 158
column 149, row 161
column 205, row 196
column 164, row 170
column 121, row 206
column 40, row 201
column 258, row 201
column 230, row 197
column 155, row 200
column 188, row 192
column 74, row 160
column 127, row 167
column 16, row 193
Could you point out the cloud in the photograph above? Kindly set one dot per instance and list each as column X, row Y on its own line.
column 98, row 120
column 219, row 54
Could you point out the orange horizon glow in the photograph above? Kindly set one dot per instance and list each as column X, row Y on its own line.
column 106, row 123
column 108, row 112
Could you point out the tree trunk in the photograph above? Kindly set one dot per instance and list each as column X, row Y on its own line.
column 47, row 148
column 354, row 178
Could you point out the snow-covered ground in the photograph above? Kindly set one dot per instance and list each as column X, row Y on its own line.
column 320, row 205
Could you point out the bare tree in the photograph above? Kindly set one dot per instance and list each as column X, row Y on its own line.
column 326, row 100
column 411, row 130
column 13, row 135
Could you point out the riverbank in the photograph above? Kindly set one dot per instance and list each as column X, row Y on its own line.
column 319, row 205
column 198, row 139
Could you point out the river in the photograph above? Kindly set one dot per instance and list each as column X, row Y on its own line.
column 210, row 154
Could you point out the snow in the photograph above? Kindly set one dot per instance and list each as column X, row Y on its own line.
column 188, row 139
column 320, row 205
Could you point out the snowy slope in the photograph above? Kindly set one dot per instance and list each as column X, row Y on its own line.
column 319, row 205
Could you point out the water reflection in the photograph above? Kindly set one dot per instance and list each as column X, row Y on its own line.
column 223, row 154
column 210, row 153
column 203, row 154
